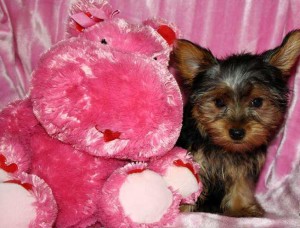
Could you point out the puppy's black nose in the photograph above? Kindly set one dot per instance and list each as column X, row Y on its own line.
column 237, row 134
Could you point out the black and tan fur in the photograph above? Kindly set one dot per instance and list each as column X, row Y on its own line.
column 234, row 108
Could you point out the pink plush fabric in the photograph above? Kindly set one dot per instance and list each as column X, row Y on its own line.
column 15, row 142
column 15, row 148
column 29, row 27
column 75, row 179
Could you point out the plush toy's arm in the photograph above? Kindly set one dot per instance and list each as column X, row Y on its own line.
column 16, row 123
column 25, row 200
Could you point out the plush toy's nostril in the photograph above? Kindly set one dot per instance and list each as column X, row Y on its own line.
column 236, row 133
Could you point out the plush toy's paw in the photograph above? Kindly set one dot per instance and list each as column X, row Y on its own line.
column 135, row 196
column 180, row 172
column 16, row 120
column 26, row 202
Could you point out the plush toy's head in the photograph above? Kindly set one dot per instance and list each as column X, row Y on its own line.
column 124, row 37
column 152, row 38
column 108, row 91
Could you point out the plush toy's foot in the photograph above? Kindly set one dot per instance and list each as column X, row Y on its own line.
column 135, row 196
column 181, row 178
column 145, row 196
column 26, row 201
column 180, row 173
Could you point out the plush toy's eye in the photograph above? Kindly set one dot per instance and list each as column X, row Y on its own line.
column 155, row 58
column 103, row 41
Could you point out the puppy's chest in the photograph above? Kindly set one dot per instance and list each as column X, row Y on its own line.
column 219, row 166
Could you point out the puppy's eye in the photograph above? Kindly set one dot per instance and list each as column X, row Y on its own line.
column 257, row 102
column 220, row 103
column 103, row 41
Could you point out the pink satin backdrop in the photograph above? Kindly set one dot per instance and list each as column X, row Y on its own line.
column 29, row 27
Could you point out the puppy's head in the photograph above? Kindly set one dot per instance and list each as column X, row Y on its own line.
column 239, row 101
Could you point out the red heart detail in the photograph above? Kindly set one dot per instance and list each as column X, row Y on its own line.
column 11, row 168
column 27, row 186
column 167, row 33
column 109, row 135
column 189, row 166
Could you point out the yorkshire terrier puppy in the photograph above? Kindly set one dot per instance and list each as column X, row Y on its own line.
column 234, row 108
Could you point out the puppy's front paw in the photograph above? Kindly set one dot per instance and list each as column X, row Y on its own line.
column 187, row 208
column 253, row 210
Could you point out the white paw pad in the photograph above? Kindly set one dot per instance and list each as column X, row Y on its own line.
column 16, row 206
column 145, row 197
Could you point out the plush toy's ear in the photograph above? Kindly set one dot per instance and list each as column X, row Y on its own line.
column 167, row 33
column 285, row 56
column 167, row 30
column 86, row 13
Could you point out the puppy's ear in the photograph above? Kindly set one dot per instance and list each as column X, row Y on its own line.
column 190, row 59
column 286, row 55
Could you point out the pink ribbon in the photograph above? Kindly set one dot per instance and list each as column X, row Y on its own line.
column 91, row 17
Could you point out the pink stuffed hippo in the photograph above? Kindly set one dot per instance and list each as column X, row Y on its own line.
column 93, row 142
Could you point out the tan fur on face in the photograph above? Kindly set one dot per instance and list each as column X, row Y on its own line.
column 259, row 123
